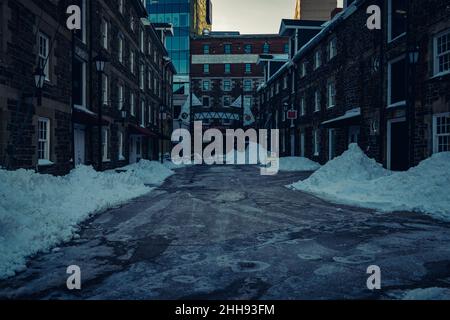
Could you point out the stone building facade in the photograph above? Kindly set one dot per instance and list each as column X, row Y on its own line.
column 351, row 84
column 134, row 92
column 225, row 76
column 32, row 135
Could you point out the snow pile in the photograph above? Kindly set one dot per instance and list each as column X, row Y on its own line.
column 354, row 179
column 298, row 164
column 38, row 211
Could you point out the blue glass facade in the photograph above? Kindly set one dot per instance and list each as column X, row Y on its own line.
column 176, row 12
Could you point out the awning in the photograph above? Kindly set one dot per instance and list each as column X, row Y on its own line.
column 350, row 117
column 137, row 130
column 87, row 117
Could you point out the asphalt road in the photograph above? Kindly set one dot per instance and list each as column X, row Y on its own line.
column 225, row 232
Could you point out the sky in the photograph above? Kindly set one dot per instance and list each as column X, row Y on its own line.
column 251, row 16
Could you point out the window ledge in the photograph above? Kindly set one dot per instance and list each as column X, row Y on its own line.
column 439, row 75
column 44, row 163
column 106, row 160
column 122, row 158
column 397, row 104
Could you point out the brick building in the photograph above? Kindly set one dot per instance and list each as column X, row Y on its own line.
column 134, row 91
column 352, row 84
column 35, row 135
column 225, row 76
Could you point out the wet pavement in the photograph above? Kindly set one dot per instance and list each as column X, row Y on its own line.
column 225, row 232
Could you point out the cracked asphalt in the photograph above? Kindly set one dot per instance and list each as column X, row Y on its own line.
column 225, row 232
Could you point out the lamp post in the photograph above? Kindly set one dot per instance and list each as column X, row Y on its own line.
column 100, row 62
column 39, row 78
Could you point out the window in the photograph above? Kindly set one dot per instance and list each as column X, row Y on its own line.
column 206, row 49
column 141, row 41
column 303, row 69
column 226, row 101
column 227, row 48
column 441, row 132
column 248, row 85
column 149, row 79
column 104, row 33
column 397, row 13
column 285, row 82
column 131, row 21
column 44, row 139
column 121, row 6
column 206, row 85
column 150, row 114
column 206, row 68
column 332, row 48
column 293, row 83
column 205, row 101
column 142, row 77
column 277, row 87
column 442, row 53
column 316, row 101
column 226, row 85
column 132, row 61
column 132, row 106
column 120, row 49
column 286, row 48
column 44, row 45
column 227, row 68
column 331, row 94
column 120, row 97
column 302, row 106
column 397, row 82
column 317, row 60
column 80, row 83
column 105, row 90
column 266, row 48
column 149, row 48
column 248, row 48
column 248, row 68
column 316, row 142
column 105, row 144
column 142, row 113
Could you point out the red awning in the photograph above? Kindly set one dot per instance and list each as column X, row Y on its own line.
column 87, row 117
column 134, row 129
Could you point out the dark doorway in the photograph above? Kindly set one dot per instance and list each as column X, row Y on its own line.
column 399, row 146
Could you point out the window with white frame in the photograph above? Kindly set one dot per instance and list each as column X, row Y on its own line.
column 142, row 41
column 303, row 69
column 331, row 94
column 120, row 142
column 248, row 68
column 317, row 60
column 150, row 114
column 44, row 48
column 441, row 132
column 142, row 113
column 80, row 83
column 397, row 17
column 397, row 82
column 121, row 6
column 227, row 85
column 105, row 143
column 442, row 53
column 104, row 33
column 131, row 21
column 248, row 84
column 277, row 87
column 302, row 106
column 120, row 48
column 206, row 85
column 44, row 139
column 149, row 79
column 132, row 105
column 316, row 142
column 285, row 82
column 206, row 68
column 317, row 101
column 105, row 90
column 120, row 97
column 227, row 68
column 132, row 61
column 332, row 48
column 141, row 77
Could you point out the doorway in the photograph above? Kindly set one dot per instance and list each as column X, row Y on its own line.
column 79, row 145
column 397, row 145
column 135, row 149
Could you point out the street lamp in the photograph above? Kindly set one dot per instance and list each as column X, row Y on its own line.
column 161, row 111
column 100, row 63
column 39, row 78
column 413, row 56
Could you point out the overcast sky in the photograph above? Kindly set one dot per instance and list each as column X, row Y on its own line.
column 251, row 16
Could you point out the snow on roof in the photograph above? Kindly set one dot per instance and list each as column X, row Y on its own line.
column 348, row 115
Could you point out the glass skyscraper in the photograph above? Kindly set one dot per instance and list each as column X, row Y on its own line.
column 187, row 17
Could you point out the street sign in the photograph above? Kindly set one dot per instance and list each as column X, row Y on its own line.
column 292, row 114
